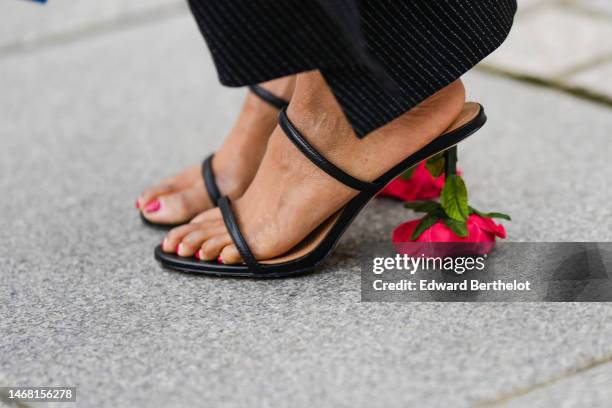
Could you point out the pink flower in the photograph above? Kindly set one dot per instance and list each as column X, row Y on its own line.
column 482, row 233
column 420, row 186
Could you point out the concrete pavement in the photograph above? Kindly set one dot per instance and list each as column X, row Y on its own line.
column 85, row 124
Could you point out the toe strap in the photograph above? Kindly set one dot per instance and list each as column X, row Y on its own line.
column 209, row 180
column 229, row 219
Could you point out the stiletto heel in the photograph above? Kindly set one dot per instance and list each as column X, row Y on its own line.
column 450, row 162
column 319, row 244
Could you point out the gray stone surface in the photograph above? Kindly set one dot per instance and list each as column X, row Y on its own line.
column 23, row 23
column 592, row 389
column 598, row 78
column 544, row 158
column 552, row 40
column 85, row 126
column 597, row 6
column 528, row 6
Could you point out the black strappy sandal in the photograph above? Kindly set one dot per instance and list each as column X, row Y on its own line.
column 207, row 171
column 319, row 244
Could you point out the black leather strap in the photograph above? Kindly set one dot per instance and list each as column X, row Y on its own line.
column 268, row 97
column 225, row 206
column 309, row 151
column 209, row 180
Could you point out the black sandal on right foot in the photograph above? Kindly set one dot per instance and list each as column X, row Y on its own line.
column 320, row 243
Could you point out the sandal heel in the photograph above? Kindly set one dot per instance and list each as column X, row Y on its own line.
column 450, row 162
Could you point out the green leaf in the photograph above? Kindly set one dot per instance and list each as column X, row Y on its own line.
column 435, row 164
column 425, row 223
column 454, row 198
column 490, row 214
column 458, row 227
column 498, row 215
column 423, row 206
column 408, row 173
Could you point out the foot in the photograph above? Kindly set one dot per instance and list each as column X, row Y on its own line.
column 290, row 196
column 179, row 198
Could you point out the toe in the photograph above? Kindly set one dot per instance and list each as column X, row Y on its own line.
column 176, row 235
column 177, row 207
column 170, row 185
column 152, row 194
column 212, row 247
column 207, row 216
column 192, row 241
column 230, row 255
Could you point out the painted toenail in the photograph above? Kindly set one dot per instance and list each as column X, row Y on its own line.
column 219, row 259
column 198, row 255
column 178, row 248
column 153, row 206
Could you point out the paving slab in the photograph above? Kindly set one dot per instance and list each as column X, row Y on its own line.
column 24, row 23
column 528, row 6
column 596, row 78
column 551, row 41
column 85, row 126
column 589, row 389
column 602, row 7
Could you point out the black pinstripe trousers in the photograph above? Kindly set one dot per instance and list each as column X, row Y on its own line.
column 379, row 57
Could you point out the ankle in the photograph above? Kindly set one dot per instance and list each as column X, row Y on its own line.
column 315, row 112
column 258, row 110
column 281, row 87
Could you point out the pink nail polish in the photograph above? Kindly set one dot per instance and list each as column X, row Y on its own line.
column 197, row 255
column 177, row 248
column 153, row 206
column 137, row 204
column 219, row 259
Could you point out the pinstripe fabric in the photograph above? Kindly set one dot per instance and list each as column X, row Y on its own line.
column 379, row 57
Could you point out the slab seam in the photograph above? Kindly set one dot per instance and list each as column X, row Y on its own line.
column 503, row 399
column 556, row 84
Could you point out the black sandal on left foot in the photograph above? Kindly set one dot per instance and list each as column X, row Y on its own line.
column 320, row 243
